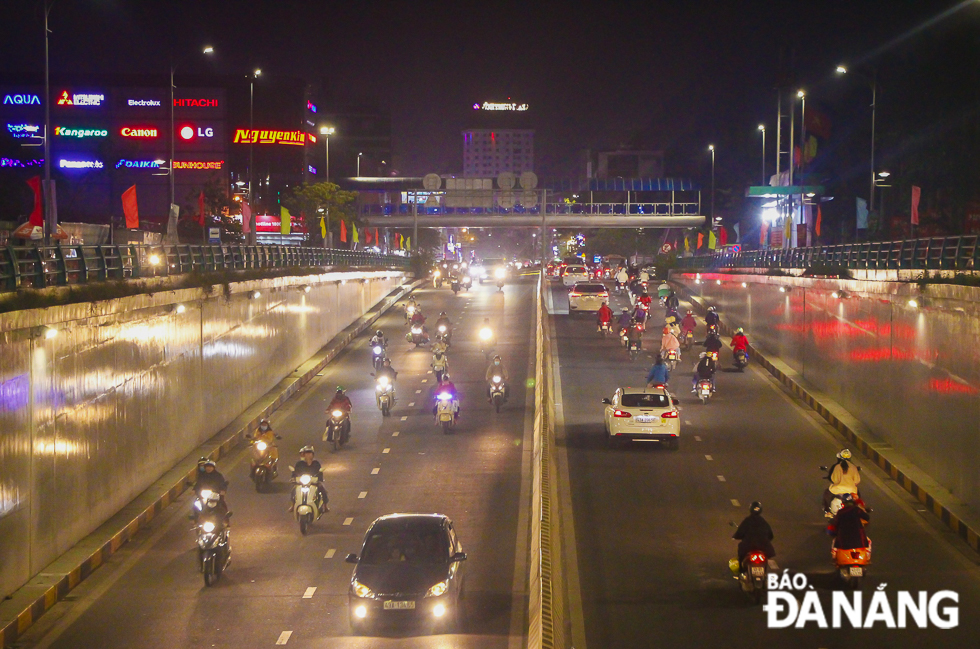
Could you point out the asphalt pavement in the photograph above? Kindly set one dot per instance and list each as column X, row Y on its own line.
column 286, row 589
column 652, row 526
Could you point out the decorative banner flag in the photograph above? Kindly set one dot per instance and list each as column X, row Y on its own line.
column 763, row 233
column 130, row 209
column 816, row 227
column 377, row 239
column 285, row 221
column 354, row 238
column 712, row 240
column 323, row 229
column 788, row 232
column 738, row 234
column 246, row 218
column 723, row 236
column 343, row 231
column 862, row 214
column 37, row 214
column 200, row 208
column 408, row 243
column 700, row 239
column 916, row 194
column 687, row 244
column 367, row 237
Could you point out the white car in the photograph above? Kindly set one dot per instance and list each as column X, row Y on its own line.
column 586, row 296
column 573, row 274
column 642, row 415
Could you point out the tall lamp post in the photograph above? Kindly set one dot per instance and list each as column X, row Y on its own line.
column 873, row 80
column 173, row 69
column 762, row 129
column 326, row 132
column 803, row 217
column 50, row 218
column 251, row 155
column 359, row 164
column 711, row 147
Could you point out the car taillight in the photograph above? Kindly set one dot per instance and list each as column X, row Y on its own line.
column 621, row 413
column 757, row 557
column 574, row 295
column 604, row 296
column 671, row 414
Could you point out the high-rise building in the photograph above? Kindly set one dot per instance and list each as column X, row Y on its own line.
column 488, row 153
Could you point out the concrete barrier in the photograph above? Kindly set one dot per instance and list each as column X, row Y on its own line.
column 92, row 416
column 899, row 381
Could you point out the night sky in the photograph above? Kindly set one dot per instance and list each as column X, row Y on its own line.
column 671, row 75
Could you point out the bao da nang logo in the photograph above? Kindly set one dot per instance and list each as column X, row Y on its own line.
column 896, row 610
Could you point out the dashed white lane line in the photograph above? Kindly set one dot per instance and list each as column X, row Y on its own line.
column 348, row 521
column 425, row 380
column 773, row 565
column 708, row 458
column 411, row 404
column 309, row 592
column 284, row 637
column 395, row 434
column 363, row 494
column 386, row 450
column 330, row 553
column 404, row 418
column 735, row 503
column 697, row 438
column 429, row 372
column 687, row 422
column 721, row 478
column 418, row 392
column 376, row 470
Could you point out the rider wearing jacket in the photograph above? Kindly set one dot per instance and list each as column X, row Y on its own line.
column 754, row 534
column 624, row 319
column 848, row 525
column 496, row 368
column 604, row 315
column 308, row 466
column 340, row 401
column 704, row 371
column 658, row 374
column 712, row 344
column 844, row 477
column 265, row 434
column 669, row 342
column 689, row 323
column 740, row 342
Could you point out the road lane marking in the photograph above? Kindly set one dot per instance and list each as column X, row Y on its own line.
column 708, row 458
column 425, row 380
column 363, row 494
column 418, row 392
column 348, row 521
column 284, row 637
column 721, row 478
column 376, row 470
column 387, row 450
column 773, row 565
column 309, row 592
column 330, row 553
column 395, row 434
column 411, row 404
column 404, row 418
column 697, row 438
column 429, row 372
column 687, row 422
column 735, row 503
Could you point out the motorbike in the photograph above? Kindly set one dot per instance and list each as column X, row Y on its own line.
column 446, row 408
column 835, row 501
column 264, row 467
column 852, row 565
column 712, row 329
column 465, row 282
column 454, row 284
column 752, row 574
column 409, row 312
column 741, row 359
column 378, row 356
column 385, row 393
column 634, row 349
column 704, row 390
column 487, row 342
column 416, row 335
column 437, row 279
column 338, row 428
column 671, row 358
column 687, row 340
column 306, row 508
column 213, row 547
column 604, row 328
column 440, row 365
column 443, row 334
column 501, row 275
column 497, row 391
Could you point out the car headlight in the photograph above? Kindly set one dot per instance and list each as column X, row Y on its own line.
column 304, row 479
column 261, row 445
column 501, row 273
column 361, row 590
column 337, row 413
column 209, row 527
column 438, row 589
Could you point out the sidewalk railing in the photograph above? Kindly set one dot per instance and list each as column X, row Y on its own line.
column 43, row 266
column 936, row 253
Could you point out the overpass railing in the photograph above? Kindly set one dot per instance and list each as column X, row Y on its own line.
column 585, row 209
column 43, row 266
column 935, row 253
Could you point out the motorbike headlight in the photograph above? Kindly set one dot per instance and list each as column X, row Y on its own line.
column 437, row 273
column 442, row 329
column 485, row 334
column 208, row 527
column 304, row 479
column 377, row 349
column 416, row 330
column 205, row 494
column 305, row 489
column 261, row 445
column 361, row 590
column 445, row 396
column 438, row 589
column 382, row 381
column 496, row 379
column 337, row 413
column 500, row 273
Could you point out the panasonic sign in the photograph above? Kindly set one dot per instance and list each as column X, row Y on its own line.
column 80, row 164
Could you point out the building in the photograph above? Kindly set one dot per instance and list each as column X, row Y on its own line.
column 488, row 153
column 361, row 142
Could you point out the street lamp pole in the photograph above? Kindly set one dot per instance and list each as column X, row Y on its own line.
column 803, row 216
column 50, row 218
column 711, row 147
column 173, row 69
column 359, row 164
column 762, row 128
column 326, row 132
column 873, row 80
column 251, row 156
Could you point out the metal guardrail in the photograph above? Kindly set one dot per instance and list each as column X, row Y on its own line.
column 43, row 266
column 586, row 209
column 936, row 253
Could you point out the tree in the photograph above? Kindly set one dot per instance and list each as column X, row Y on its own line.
column 313, row 200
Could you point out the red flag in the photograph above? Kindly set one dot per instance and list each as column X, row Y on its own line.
column 130, row 209
column 816, row 227
column 916, row 194
column 200, row 208
column 722, row 235
column 700, row 239
column 763, row 233
column 37, row 215
column 367, row 236
column 343, row 231
column 817, row 123
column 246, row 217
column 377, row 239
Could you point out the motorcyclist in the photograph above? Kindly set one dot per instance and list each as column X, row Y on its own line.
column 844, row 476
column 713, row 344
column 624, row 319
column 848, row 525
column 444, row 320
column 672, row 303
column 663, row 290
column 634, row 334
column 645, row 299
column 417, row 317
column 379, row 339
column 496, row 368
column 689, row 323
column 411, row 307
column 711, row 317
column 673, row 322
column 210, row 479
column 640, row 314
column 388, row 371
column 669, row 342
column 439, row 347
column 489, row 339
column 659, row 374
column 308, row 466
column 266, row 434
column 704, row 371
column 446, row 386
column 622, row 277
column 439, row 361
column 340, row 401
column 603, row 315
column 754, row 534
column 215, row 509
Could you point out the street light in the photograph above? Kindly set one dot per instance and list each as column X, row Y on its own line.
column 251, row 127
column 711, row 147
column 173, row 68
column 326, row 132
column 873, row 80
column 359, row 164
column 762, row 129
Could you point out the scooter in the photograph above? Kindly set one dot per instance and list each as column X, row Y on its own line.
column 501, row 275
column 634, row 349
column 751, row 574
column 385, row 393
column 671, row 358
column 437, row 279
column 338, row 429
column 440, row 365
column 687, row 340
column 712, row 329
column 835, row 500
column 213, row 547
column 497, row 391
column 306, row 508
column 705, row 390
column 416, row 336
column 454, row 284
column 487, row 342
column 378, row 356
column 443, row 334
column 604, row 329
column 446, row 408
column 852, row 565
column 264, row 467
column 465, row 282
column 409, row 312
column 741, row 359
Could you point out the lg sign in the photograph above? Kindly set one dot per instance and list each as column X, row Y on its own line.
column 190, row 132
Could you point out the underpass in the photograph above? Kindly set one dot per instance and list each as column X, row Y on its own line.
column 652, row 526
column 283, row 588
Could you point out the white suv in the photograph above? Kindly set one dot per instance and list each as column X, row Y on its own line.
column 587, row 296
column 573, row 274
column 642, row 415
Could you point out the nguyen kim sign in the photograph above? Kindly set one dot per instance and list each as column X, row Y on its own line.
column 493, row 106
column 256, row 136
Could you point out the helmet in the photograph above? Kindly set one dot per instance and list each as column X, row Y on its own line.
column 711, row 308
column 379, row 333
column 702, row 354
column 202, row 461
column 755, row 507
column 844, row 455
column 625, row 310
column 739, row 330
column 690, row 313
column 443, row 313
column 264, row 422
column 210, row 463
column 847, row 498
column 445, row 377
column 306, row 449
column 340, row 388
column 387, row 362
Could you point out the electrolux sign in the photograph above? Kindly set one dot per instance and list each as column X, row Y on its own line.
column 144, row 103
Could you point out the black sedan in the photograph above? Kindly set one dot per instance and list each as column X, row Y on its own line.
column 408, row 570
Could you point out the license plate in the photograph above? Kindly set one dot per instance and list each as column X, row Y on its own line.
column 643, row 419
column 393, row 605
column 857, row 571
column 758, row 571
column 445, row 417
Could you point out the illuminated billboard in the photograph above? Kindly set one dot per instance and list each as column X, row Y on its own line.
column 24, row 130
column 80, row 99
column 263, row 136
column 199, row 165
column 79, row 164
column 498, row 106
column 138, row 164
column 80, row 133
column 22, row 100
column 145, row 132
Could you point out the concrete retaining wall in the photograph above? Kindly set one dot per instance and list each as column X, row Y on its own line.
column 91, row 417
column 910, row 373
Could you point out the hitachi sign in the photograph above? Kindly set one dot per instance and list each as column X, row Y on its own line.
column 195, row 103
